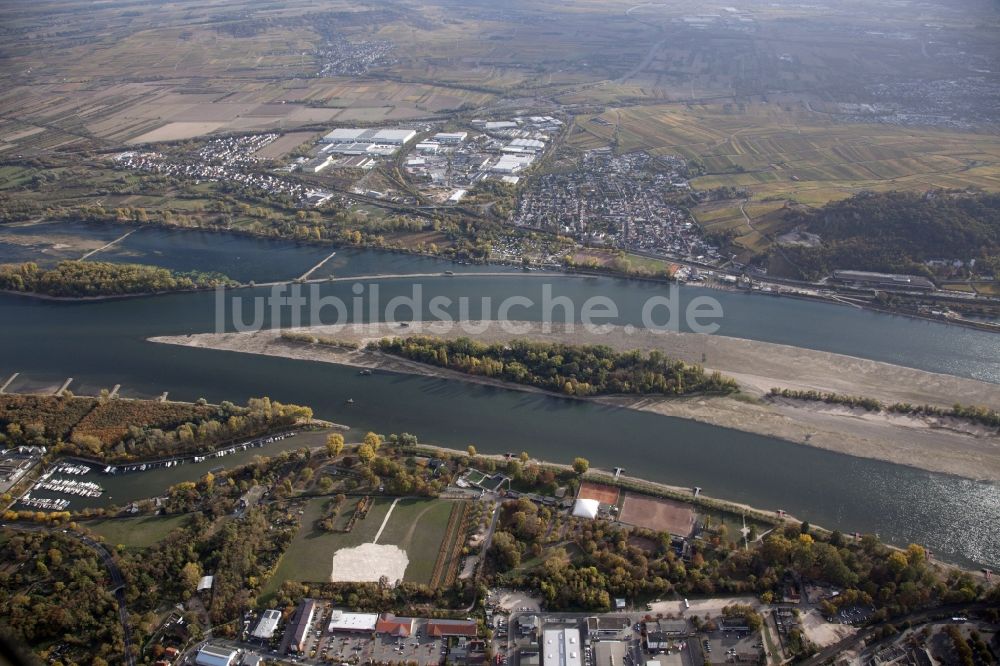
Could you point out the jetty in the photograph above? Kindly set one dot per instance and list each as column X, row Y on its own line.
column 62, row 389
column 105, row 247
column 305, row 276
column 9, row 381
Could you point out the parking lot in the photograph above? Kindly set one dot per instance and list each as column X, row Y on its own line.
column 354, row 648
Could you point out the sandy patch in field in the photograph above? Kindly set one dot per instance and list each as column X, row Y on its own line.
column 176, row 131
column 367, row 563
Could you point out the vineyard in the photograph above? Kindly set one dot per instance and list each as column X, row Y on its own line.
column 450, row 554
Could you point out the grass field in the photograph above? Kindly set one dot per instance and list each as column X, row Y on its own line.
column 416, row 525
column 136, row 532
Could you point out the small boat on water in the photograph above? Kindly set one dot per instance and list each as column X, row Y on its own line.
column 350, row 401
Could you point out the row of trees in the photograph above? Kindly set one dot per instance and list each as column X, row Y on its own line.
column 572, row 370
column 977, row 414
column 97, row 278
column 586, row 563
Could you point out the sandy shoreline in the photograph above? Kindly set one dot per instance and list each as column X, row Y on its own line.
column 939, row 445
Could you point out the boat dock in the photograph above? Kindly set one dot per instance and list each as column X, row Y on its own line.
column 105, row 247
column 63, row 388
column 305, row 276
column 9, row 381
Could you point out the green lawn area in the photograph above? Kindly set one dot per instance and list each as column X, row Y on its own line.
column 136, row 532
column 416, row 525
column 310, row 555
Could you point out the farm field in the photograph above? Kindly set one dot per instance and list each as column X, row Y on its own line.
column 788, row 152
column 136, row 532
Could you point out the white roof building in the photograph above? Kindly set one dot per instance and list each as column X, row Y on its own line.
column 561, row 647
column 215, row 655
column 205, row 583
column 456, row 196
column 428, row 146
column 341, row 621
column 512, row 163
column 499, row 125
column 266, row 625
column 450, row 137
column 586, row 508
column 396, row 137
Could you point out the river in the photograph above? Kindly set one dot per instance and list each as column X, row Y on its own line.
column 104, row 343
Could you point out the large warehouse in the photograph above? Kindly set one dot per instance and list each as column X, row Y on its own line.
column 392, row 137
column 561, row 647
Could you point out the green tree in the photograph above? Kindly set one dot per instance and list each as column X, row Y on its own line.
column 581, row 465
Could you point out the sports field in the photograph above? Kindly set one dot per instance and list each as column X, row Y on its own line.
column 658, row 514
column 598, row 491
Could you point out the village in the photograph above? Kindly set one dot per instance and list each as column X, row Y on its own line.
column 619, row 201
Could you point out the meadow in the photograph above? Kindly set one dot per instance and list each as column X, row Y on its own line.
column 136, row 532
column 417, row 526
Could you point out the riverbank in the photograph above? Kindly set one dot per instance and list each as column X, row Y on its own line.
column 938, row 445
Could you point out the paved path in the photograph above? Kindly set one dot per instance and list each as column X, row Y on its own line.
column 385, row 521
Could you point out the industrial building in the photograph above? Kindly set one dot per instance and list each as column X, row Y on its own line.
column 266, row 625
column 391, row 137
column 512, row 163
column 300, row 627
column 450, row 137
column 456, row 196
column 428, row 146
column 521, row 146
column 215, row 655
column 561, row 647
column 359, row 141
column 360, row 622
column 318, row 164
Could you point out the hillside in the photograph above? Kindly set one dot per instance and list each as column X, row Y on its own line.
column 899, row 232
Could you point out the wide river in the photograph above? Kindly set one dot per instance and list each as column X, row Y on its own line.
column 104, row 343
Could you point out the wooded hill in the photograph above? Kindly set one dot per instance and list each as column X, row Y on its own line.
column 898, row 232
